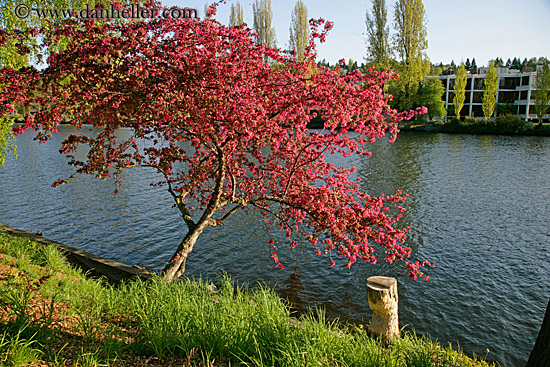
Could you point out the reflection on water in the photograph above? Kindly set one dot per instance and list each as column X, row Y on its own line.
column 477, row 208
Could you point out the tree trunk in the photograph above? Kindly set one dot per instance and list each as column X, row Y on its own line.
column 540, row 355
column 383, row 300
column 176, row 266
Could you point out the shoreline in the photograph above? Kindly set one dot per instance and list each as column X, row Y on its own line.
column 135, row 325
column 447, row 128
column 96, row 265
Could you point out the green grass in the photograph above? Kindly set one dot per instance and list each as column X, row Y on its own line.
column 57, row 315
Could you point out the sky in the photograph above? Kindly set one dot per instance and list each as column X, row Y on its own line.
column 457, row 29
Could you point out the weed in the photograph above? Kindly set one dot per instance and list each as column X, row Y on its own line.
column 16, row 350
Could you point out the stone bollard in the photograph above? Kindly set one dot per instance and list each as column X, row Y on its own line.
column 383, row 300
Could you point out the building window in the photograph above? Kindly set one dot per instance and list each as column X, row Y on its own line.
column 477, row 111
column 478, row 97
column 478, row 83
column 523, row 95
column 451, row 96
column 509, row 83
column 507, row 97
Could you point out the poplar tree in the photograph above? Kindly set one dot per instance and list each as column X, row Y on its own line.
column 236, row 17
column 299, row 30
column 7, row 140
column 460, row 89
column 541, row 95
column 263, row 16
column 410, row 44
column 378, row 46
column 490, row 85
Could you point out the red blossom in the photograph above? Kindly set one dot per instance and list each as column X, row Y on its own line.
column 173, row 83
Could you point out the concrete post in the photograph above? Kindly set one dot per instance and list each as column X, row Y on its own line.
column 383, row 300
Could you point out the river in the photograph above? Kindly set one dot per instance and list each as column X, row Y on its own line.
column 478, row 208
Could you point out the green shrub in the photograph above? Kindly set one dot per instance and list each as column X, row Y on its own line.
column 511, row 124
column 506, row 124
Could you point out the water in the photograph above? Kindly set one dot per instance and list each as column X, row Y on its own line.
column 478, row 208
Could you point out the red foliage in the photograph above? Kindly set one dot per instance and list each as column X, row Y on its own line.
column 244, row 123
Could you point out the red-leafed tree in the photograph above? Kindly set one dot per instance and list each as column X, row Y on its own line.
column 244, row 122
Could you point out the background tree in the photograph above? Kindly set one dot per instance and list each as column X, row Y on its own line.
column 436, row 70
column 430, row 96
column 531, row 64
column 523, row 65
column 410, row 44
column 498, row 62
column 378, row 45
column 352, row 65
column 7, row 140
column 541, row 95
column 490, row 86
column 223, row 130
column 10, row 22
column 516, row 64
column 473, row 68
column 9, row 57
column 263, row 16
column 299, row 29
column 467, row 65
column 508, row 63
column 460, row 90
column 452, row 68
column 236, row 17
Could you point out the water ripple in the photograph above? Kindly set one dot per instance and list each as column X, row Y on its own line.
column 478, row 208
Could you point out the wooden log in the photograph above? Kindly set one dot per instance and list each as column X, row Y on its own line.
column 383, row 300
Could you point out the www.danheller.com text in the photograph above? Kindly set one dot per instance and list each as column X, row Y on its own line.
column 134, row 11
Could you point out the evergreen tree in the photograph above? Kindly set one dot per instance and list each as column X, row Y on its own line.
column 473, row 68
column 236, row 17
column 523, row 65
column 490, row 85
column 299, row 30
column 498, row 62
column 531, row 64
column 516, row 64
column 508, row 63
column 467, row 65
column 460, row 89
column 453, row 67
column 378, row 47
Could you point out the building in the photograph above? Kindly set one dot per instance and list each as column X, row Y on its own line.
column 514, row 93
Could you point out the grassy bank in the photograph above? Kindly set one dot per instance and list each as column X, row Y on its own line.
column 503, row 125
column 52, row 315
